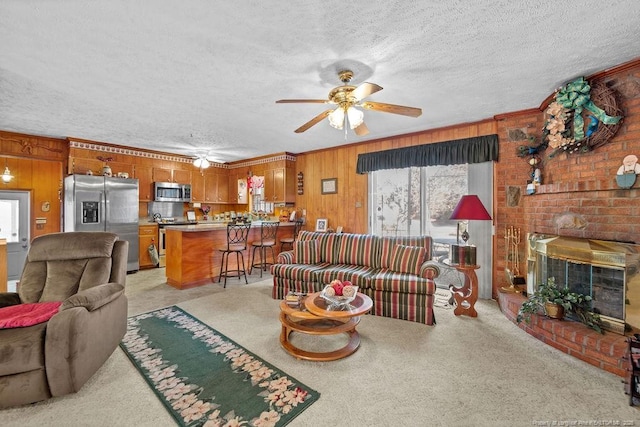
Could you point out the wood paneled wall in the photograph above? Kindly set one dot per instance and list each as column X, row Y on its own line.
column 37, row 165
column 349, row 206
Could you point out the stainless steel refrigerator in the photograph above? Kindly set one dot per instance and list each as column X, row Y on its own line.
column 100, row 203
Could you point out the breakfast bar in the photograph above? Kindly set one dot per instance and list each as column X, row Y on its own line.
column 192, row 255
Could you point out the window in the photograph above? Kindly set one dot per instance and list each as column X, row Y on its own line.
column 419, row 201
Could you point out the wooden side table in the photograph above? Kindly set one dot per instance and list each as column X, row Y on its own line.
column 466, row 296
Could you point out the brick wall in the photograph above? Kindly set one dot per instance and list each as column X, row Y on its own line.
column 583, row 185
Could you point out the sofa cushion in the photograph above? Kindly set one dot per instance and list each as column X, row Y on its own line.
column 387, row 280
column 356, row 249
column 302, row 272
column 306, row 252
column 325, row 243
column 387, row 244
column 407, row 259
column 359, row 275
column 21, row 350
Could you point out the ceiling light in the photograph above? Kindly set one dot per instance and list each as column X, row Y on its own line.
column 201, row 163
column 336, row 118
column 355, row 116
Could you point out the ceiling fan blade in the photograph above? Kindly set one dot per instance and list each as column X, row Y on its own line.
column 391, row 108
column 317, row 119
column 291, row 101
column 361, row 130
column 365, row 89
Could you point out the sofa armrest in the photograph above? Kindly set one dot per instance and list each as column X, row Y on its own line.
column 9, row 298
column 95, row 297
column 285, row 257
column 429, row 270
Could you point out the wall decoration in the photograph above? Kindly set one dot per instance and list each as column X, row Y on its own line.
column 626, row 175
column 569, row 220
column 322, row 224
column 300, row 183
column 329, row 186
column 579, row 105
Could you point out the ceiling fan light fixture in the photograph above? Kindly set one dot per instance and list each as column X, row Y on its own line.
column 201, row 163
column 355, row 116
column 336, row 118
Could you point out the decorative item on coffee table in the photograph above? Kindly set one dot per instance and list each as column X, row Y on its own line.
column 339, row 293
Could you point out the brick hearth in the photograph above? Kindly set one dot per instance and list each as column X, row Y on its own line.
column 606, row 351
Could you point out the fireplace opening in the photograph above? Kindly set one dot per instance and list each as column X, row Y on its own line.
column 607, row 271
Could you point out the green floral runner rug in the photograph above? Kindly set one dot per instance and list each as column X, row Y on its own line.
column 205, row 378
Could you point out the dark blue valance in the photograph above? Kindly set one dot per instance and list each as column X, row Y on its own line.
column 460, row 151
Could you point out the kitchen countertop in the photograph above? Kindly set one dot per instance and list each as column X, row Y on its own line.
column 210, row 226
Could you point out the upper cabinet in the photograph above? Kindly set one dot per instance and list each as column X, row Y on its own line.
column 144, row 174
column 212, row 186
column 280, row 185
column 179, row 176
column 238, row 191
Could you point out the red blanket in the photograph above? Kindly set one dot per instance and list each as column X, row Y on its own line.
column 21, row 315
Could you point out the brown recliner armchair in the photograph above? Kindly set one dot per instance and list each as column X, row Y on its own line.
column 87, row 272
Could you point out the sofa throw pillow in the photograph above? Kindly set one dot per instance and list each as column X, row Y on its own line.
column 407, row 259
column 306, row 252
column 22, row 315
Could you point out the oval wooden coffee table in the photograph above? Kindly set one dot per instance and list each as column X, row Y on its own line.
column 312, row 317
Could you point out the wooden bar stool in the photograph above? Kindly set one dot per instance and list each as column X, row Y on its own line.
column 289, row 240
column 237, row 235
column 268, row 234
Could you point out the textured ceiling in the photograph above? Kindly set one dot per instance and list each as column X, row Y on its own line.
column 202, row 77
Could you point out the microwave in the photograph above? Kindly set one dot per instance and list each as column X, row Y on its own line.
column 171, row 192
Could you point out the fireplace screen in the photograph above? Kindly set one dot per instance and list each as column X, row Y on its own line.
column 607, row 271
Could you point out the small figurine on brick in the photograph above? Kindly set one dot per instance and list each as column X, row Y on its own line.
column 626, row 175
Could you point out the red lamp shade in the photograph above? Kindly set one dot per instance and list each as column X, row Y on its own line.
column 470, row 207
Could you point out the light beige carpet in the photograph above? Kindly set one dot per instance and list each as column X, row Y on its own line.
column 464, row 371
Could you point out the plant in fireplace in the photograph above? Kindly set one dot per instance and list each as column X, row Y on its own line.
column 554, row 302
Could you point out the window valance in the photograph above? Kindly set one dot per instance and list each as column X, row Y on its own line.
column 460, row 151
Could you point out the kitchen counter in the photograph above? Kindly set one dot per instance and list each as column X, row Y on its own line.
column 192, row 255
column 204, row 226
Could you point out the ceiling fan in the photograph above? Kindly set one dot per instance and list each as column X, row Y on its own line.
column 347, row 98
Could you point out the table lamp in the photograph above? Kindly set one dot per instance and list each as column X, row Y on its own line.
column 469, row 208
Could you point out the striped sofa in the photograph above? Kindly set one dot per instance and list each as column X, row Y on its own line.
column 394, row 271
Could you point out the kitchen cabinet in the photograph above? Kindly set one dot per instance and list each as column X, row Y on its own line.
column 147, row 235
column 144, row 175
column 182, row 176
column 216, row 187
column 179, row 176
column 238, row 191
column 80, row 165
column 197, row 187
column 280, row 185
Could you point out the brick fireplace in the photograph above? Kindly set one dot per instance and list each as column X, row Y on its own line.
column 605, row 351
column 578, row 198
column 607, row 271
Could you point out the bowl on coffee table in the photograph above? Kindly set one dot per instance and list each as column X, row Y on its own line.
column 338, row 302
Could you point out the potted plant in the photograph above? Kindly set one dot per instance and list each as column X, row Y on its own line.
column 554, row 302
